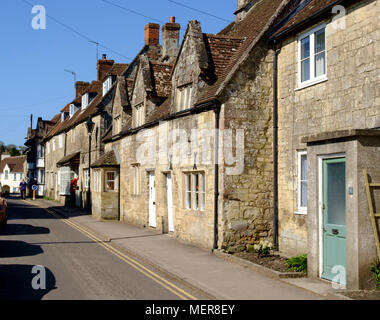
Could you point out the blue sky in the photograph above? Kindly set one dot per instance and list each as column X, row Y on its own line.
column 33, row 61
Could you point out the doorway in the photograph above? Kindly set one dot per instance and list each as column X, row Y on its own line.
column 152, row 200
column 169, row 197
column 334, row 219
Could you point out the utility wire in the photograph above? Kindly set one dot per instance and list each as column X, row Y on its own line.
column 132, row 11
column 79, row 33
column 197, row 10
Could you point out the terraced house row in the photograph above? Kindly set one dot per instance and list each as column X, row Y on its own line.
column 259, row 132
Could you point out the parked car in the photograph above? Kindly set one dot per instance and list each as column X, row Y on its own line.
column 3, row 212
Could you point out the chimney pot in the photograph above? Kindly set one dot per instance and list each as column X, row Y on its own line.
column 172, row 19
column 104, row 56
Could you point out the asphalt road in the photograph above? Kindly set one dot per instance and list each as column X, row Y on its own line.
column 76, row 267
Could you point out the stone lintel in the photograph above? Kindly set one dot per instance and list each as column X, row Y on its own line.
column 340, row 135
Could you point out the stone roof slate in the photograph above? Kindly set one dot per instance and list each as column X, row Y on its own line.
column 106, row 160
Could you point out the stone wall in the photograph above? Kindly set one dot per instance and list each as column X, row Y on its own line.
column 193, row 226
column 248, row 193
column 350, row 98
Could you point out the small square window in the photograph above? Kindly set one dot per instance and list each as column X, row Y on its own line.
column 110, row 181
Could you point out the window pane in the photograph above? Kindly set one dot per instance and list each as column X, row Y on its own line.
column 181, row 106
column 304, row 167
column 188, row 191
column 320, row 65
column 336, row 193
column 202, row 192
column 305, row 70
column 303, row 193
column 110, row 185
column 305, row 48
column 110, row 175
column 320, row 41
column 196, row 190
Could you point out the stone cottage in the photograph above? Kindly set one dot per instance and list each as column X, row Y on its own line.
column 176, row 174
column 328, row 132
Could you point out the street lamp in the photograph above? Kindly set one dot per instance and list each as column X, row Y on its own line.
column 90, row 126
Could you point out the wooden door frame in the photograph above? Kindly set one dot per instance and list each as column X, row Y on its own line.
column 320, row 202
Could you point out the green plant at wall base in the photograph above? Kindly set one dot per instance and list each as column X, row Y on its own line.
column 375, row 269
column 298, row 263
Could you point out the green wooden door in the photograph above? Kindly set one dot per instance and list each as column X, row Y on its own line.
column 334, row 220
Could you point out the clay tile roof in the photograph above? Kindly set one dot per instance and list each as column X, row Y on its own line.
column 106, row 160
column 117, row 69
column 222, row 49
column 16, row 164
column 311, row 7
column 161, row 78
column 55, row 119
column 251, row 28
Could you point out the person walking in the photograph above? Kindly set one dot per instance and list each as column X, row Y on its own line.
column 73, row 187
column 23, row 189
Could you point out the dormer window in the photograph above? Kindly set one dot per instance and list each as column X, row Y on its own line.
column 73, row 109
column 85, row 101
column 183, row 97
column 107, row 85
column 139, row 115
column 64, row 116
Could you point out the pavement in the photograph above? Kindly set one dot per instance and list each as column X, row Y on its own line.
column 198, row 268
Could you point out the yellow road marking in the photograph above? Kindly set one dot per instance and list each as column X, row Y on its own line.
column 133, row 263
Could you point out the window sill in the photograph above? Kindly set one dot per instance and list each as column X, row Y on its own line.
column 303, row 213
column 311, row 83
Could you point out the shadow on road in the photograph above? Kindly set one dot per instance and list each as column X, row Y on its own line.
column 12, row 249
column 22, row 229
column 16, row 282
column 20, row 209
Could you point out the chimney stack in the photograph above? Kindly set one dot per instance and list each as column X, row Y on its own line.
column 170, row 40
column 152, row 34
column 104, row 66
column 81, row 88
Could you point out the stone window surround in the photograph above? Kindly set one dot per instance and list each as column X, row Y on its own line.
column 183, row 92
column 139, row 115
column 300, row 210
column 313, row 80
column 201, row 193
